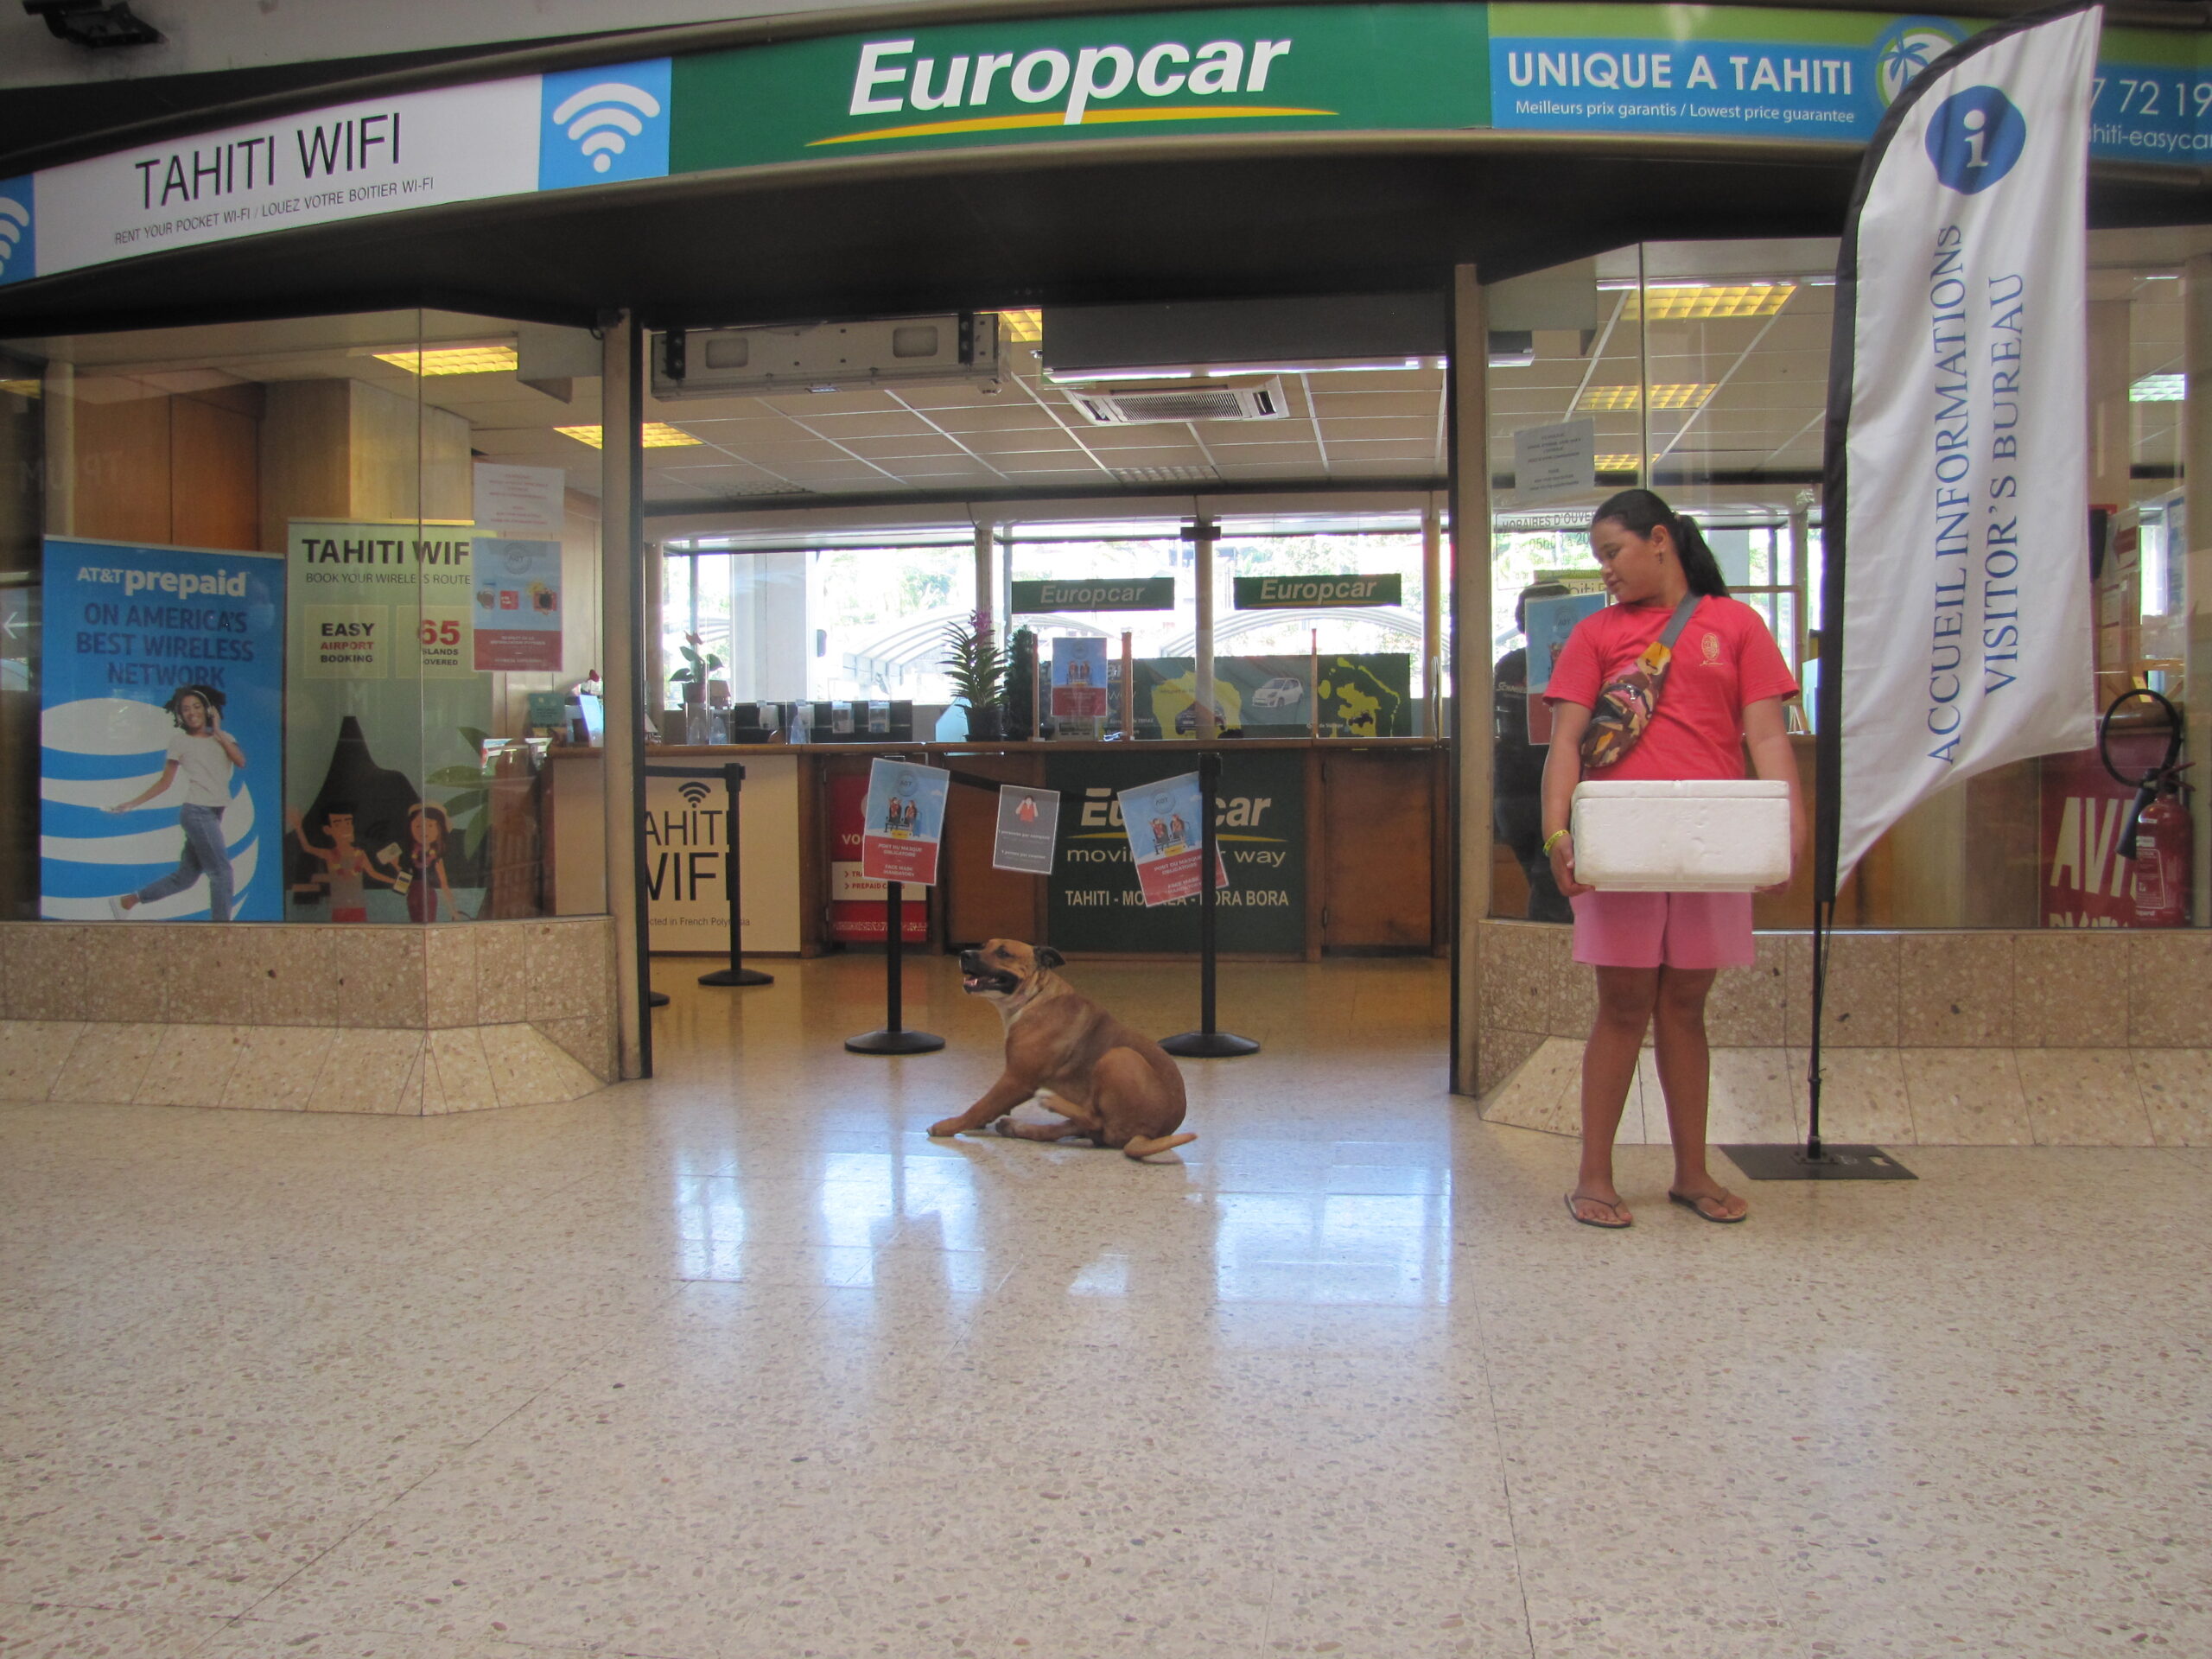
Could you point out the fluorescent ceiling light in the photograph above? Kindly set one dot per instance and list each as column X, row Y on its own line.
column 1696, row 302
column 1079, row 377
column 2159, row 389
column 659, row 434
column 453, row 360
column 1605, row 399
column 1614, row 463
column 1028, row 327
column 21, row 388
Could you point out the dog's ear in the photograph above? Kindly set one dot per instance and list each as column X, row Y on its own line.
column 1048, row 957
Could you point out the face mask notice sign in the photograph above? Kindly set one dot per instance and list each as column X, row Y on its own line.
column 1028, row 828
column 903, row 823
column 1164, row 833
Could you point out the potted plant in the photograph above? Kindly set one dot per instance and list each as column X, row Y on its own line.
column 699, row 667
column 978, row 668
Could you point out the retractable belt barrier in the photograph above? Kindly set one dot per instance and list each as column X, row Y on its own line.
column 1208, row 1042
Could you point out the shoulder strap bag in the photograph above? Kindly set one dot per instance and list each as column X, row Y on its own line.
column 1626, row 704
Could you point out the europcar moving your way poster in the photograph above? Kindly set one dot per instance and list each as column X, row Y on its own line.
column 154, row 656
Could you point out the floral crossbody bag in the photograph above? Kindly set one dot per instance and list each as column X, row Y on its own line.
column 1626, row 702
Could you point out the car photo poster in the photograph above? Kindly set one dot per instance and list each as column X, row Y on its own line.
column 903, row 822
column 1957, row 505
column 1165, row 830
column 161, row 723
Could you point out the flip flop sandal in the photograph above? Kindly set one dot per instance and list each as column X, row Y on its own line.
column 1697, row 1209
column 1608, row 1226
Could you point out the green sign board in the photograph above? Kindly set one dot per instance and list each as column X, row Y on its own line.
column 1104, row 594
column 1317, row 592
column 1094, row 903
column 1051, row 79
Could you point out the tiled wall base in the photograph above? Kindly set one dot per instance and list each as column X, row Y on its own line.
column 2090, row 1039
column 1899, row 1098
column 288, row 1068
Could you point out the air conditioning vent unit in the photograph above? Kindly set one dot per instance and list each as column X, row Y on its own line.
column 957, row 346
column 1150, row 402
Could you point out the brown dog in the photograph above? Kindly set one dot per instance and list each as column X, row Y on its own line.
column 1116, row 1087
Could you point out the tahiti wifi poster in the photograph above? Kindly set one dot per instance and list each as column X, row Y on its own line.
column 384, row 794
column 156, row 657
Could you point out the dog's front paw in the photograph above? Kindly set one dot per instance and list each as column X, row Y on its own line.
column 947, row 1126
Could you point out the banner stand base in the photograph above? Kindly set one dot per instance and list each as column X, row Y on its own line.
column 1209, row 1046
column 1790, row 1163
column 737, row 977
column 895, row 1042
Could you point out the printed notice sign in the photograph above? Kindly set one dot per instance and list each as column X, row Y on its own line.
column 1078, row 678
column 517, row 604
column 903, row 823
column 524, row 502
column 1550, row 461
column 1166, row 832
column 1029, row 823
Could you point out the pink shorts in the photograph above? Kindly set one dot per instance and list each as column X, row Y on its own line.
column 1672, row 930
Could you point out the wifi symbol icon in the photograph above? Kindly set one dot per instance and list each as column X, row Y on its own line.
column 609, row 124
column 14, row 236
column 694, row 791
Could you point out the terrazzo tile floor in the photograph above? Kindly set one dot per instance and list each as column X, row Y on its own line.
column 740, row 1365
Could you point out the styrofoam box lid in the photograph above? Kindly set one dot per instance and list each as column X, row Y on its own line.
column 1702, row 789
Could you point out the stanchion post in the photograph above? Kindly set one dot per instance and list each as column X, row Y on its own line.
column 894, row 1038
column 737, row 973
column 1208, row 1042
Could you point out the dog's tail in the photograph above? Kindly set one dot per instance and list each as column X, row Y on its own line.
column 1142, row 1146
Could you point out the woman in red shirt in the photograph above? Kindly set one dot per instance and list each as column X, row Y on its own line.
column 1656, row 953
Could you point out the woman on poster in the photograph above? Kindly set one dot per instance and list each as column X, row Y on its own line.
column 207, row 755
column 1656, row 953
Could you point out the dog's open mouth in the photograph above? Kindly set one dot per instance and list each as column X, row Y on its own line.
column 975, row 984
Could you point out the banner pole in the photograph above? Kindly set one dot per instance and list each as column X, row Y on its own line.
column 1208, row 1042
column 737, row 973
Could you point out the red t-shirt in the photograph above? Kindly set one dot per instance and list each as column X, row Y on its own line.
column 1725, row 660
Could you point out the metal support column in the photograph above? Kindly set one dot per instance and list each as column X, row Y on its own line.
column 622, row 609
column 1432, row 616
column 1206, row 725
column 1468, row 407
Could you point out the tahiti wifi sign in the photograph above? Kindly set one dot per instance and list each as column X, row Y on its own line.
column 1265, row 69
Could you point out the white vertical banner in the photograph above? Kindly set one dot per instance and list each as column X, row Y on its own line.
column 1957, row 511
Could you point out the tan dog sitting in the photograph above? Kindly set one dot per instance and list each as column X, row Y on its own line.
column 1114, row 1086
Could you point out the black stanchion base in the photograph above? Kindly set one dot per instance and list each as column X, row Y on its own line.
column 656, row 999
column 736, row 977
column 1209, row 1046
column 895, row 1042
column 1790, row 1163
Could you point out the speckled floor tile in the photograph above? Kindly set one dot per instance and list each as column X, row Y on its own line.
column 738, row 1363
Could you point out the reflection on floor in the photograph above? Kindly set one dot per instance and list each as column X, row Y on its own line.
column 740, row 1364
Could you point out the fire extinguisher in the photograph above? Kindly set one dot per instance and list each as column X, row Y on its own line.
column 2157, row 837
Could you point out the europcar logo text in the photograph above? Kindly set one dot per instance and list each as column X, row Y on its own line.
column 18, row 230
column 1906, row 48
column 983, row 91
column 606, row 125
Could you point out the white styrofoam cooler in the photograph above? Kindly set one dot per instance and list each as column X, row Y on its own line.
column 1707, row 835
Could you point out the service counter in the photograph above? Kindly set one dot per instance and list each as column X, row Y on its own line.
column 1334, row 845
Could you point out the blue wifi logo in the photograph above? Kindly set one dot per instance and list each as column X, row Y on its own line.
column 18, row 246
column 604, row 125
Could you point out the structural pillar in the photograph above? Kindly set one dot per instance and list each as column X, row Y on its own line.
column 1432, row 614
column 2195, row 545
column 1468, row 414
column 1203, row 536
column 622, row 609
column 986, row 600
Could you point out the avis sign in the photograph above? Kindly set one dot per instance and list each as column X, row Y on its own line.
column 2085, row 881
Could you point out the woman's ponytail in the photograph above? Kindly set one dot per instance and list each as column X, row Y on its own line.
column 1640, row 513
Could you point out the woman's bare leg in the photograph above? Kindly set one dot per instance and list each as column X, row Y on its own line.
column 1625, row 1002
column 1686, row 1076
